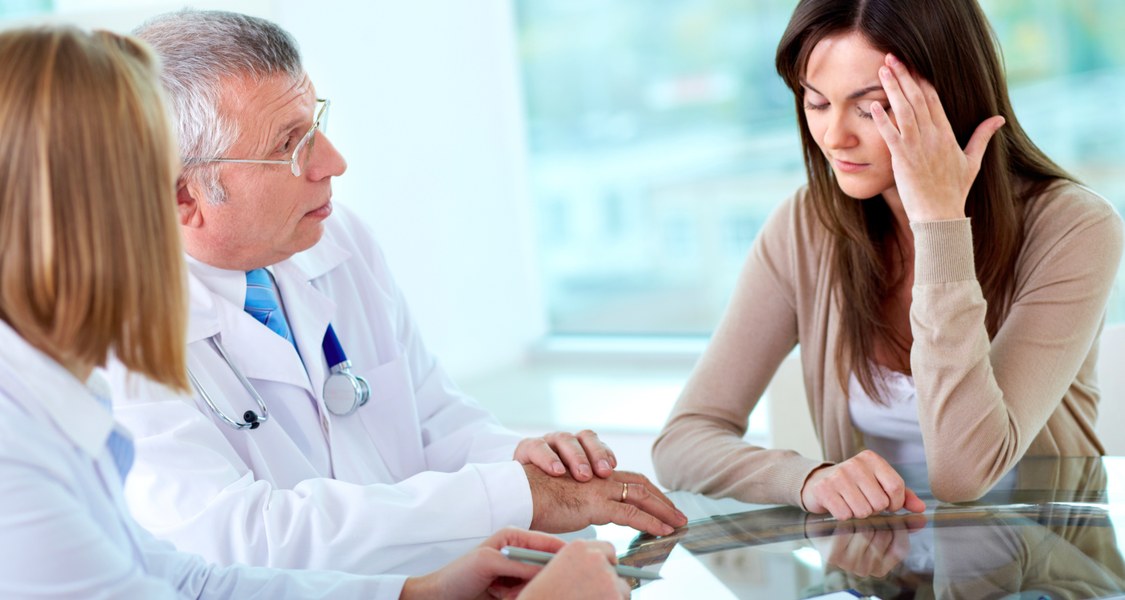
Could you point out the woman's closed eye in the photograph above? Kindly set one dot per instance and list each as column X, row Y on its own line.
column 863, row 114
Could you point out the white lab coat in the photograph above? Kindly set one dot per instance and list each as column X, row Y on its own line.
column 373, row 492
column 65, row 531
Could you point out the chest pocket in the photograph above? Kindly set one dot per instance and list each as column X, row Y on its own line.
column 390, row 419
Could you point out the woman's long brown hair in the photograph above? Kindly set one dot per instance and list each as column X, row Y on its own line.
column 950, row 44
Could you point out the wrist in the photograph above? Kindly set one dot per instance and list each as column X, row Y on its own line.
column 808, row 501
column 922, row 216
column 418, row 588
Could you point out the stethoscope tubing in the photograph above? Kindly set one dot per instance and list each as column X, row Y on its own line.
column 252, row 420
column 339, row 366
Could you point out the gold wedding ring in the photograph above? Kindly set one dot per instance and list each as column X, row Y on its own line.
column 624, row 491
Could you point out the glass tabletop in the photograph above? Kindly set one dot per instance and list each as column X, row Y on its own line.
column 1049, row 529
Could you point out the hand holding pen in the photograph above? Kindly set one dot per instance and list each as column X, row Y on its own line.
column 538, row 557
column 580, row 569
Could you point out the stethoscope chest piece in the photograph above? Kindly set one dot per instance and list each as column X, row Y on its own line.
column 344, row 393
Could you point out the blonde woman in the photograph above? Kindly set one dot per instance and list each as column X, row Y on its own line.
column 90, row 264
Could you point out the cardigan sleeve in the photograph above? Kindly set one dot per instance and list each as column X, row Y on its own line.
column 701, row 447
column 982, row 402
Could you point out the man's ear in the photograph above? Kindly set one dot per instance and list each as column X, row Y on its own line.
column 188, row 203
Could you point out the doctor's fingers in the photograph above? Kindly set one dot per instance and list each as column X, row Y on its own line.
column 582, row 455
column 603, row 459
column 635, row 502
column 536, row 451
column 574, row 453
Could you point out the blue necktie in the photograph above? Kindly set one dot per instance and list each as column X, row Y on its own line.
column 263, row 303
column 119, row 445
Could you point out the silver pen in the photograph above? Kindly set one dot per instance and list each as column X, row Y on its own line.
column 537, row 557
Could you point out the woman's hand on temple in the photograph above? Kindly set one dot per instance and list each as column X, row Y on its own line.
column 858, row 488
column 932, row 173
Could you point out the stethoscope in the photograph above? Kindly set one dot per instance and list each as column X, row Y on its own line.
column 344, row 392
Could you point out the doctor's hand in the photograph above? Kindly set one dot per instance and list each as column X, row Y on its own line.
column 581, row 569
column 858, row 488
column 562, row 504
column 581, row 454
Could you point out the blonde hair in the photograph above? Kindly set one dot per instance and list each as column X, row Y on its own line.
column 90, row 255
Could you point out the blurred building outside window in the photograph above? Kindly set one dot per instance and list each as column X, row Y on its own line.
column 661, row 138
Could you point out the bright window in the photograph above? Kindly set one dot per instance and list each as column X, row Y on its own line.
column 661, row 138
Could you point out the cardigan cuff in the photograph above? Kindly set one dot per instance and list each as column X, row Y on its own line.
column 943, row 251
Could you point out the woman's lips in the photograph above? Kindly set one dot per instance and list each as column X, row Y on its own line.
column 848, row 167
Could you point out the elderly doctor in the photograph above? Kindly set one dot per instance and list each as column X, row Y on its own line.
column 286, row 457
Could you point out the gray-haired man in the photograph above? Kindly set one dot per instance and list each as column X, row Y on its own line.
column 259, row 467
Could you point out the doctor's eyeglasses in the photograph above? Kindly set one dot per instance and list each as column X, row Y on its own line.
column 301, row 151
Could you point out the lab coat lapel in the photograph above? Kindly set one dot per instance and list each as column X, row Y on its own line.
column 258, row 351
column 253, row 348
column 310, row 311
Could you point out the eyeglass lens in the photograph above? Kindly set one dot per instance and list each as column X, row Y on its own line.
column 304, row 148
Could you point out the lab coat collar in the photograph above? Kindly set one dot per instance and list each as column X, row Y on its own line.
column 318, row 260
column 41, row 384
column 217, row 298
column 208, row 283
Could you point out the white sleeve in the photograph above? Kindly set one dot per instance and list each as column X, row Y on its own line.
column 54, row 548
column 192, row 577
column 189, row 481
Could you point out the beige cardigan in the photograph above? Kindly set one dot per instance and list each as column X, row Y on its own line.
column 982, row 404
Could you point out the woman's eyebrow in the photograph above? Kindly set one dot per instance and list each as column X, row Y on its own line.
column 864, row 91
column 852, row 96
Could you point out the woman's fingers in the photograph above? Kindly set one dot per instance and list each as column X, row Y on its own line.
column 859, row 487
column 905, row 118
column 913, row 503
column 978, row 143
column 911, row 89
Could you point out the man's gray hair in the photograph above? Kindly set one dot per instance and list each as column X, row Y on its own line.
column 200, row 51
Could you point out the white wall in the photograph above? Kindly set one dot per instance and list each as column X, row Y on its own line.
column 426, row 108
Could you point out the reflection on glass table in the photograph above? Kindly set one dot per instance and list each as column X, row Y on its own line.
column 1048, row 530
